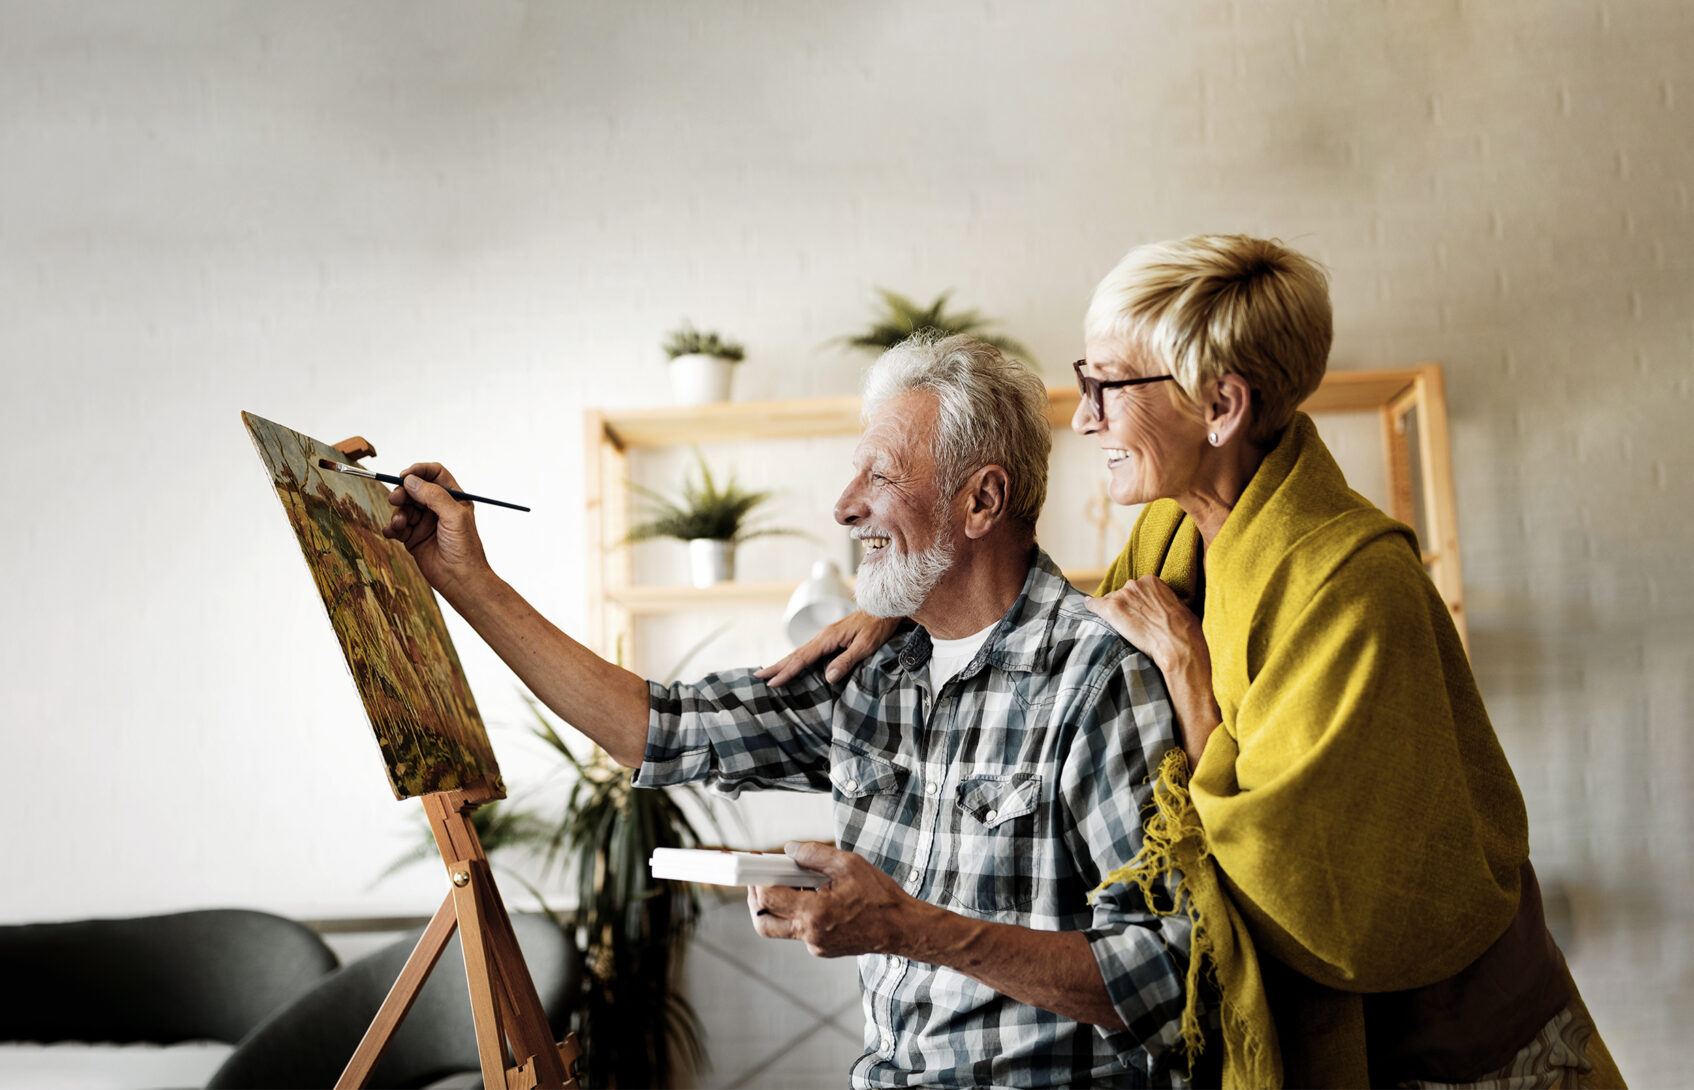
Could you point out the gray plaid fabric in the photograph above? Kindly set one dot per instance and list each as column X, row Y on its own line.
column 1003, row 797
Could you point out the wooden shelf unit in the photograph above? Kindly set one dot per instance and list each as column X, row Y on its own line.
column 1411, row 403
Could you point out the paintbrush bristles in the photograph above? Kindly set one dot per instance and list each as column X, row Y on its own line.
column 342, row 467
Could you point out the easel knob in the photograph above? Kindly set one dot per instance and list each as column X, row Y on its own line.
column 461, row 878
column 355, row 448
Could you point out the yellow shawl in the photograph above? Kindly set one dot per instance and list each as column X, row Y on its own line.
column 1354, row 809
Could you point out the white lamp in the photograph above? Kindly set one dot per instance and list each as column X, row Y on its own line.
column 821, row 600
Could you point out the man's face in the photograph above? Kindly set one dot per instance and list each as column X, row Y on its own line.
column 894, row 507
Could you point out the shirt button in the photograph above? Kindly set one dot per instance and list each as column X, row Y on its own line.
column 912, row 877
column 888, row 1042
column 932, row 787
column 991, row 815
column 850, row 785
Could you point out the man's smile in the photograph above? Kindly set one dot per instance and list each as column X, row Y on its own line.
column 872, row 542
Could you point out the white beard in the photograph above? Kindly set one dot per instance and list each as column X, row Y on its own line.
column 897, row 584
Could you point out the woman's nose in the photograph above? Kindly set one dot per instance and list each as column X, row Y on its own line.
column 1083, row 421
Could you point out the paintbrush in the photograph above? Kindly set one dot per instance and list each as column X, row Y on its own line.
column 389, row 478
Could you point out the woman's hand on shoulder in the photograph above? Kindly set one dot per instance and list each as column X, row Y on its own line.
column 1148, row 614
column 855, row 636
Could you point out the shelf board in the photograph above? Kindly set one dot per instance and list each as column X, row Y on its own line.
column 735, row 420
column 1341, row 391
column 1358, row 391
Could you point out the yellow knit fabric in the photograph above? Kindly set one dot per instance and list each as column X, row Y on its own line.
column 1354, row 808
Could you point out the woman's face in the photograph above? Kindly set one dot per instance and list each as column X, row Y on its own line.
column 1152, row 445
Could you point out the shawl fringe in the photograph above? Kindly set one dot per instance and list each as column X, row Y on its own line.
column 1175, row 848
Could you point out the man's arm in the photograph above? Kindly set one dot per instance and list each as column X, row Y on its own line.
column 1124, row 974
column 603, row 700
column 599, row 698
column 863, row 911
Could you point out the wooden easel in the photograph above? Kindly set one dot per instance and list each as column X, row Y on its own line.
column 509, row 1017
column 508, row 1013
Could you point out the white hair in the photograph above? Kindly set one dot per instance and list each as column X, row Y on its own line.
column 993, row 411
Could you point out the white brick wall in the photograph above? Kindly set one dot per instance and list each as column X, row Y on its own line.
column 453, row 226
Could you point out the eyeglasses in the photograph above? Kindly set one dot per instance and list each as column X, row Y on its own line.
column 1094, row 390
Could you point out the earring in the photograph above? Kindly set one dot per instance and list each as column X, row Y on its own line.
column 1212, row 438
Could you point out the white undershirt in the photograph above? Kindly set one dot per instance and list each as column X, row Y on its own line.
column 948, row 657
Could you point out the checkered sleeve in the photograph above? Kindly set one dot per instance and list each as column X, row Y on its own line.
column 1142, row 954
column 733, row 732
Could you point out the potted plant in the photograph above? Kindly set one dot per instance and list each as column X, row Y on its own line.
column 632, row 930
column 712, row 520
column 901, row 318
column 702, row 364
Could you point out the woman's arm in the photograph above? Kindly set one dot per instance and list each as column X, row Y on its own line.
column 855, row 636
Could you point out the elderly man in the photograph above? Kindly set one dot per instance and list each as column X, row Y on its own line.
column 985, row 764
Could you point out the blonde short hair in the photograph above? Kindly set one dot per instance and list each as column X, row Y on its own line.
column 993, row 411
column 1211, row 305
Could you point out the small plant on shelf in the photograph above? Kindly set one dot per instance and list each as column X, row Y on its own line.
column 711, row 519
column 688, row 341
column 901, row 318
column 702, row 365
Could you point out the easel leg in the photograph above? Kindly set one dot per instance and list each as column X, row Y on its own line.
column 531, row 1037
column 502, row 995
column 480, row 970
column 400, row 997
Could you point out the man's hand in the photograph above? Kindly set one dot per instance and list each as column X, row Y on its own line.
column 860, row 911
column 439, row 531
column 863, row 911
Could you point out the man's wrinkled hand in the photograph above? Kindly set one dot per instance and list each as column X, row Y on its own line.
column 859, row 911
column 438, row 530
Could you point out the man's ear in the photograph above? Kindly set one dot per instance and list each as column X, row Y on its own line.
column 985, row 500
column 1228, row 409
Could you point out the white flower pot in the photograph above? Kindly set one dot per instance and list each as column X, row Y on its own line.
column 711, row 561
column 701, row 380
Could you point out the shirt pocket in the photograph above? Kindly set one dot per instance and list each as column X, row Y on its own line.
column 997, row 823
column 871, row 807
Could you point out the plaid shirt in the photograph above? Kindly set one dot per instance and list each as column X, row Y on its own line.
column 1005, row 796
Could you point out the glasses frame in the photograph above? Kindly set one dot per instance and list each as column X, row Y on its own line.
column 1094, row 390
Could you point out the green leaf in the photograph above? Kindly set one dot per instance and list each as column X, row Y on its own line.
column 685, row 340
column 705, row 510
column 902, row 318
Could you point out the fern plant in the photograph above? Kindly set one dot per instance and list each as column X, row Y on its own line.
column 632, row 930
column 901, row 318
column 688, row 341
column 638, row 1029
column 704, row 511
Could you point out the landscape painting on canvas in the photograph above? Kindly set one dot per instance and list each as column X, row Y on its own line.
column 386, row 617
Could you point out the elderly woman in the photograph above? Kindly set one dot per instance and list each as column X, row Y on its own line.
column 1352, row 842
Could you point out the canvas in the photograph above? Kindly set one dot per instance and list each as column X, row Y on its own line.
column 385, row 615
